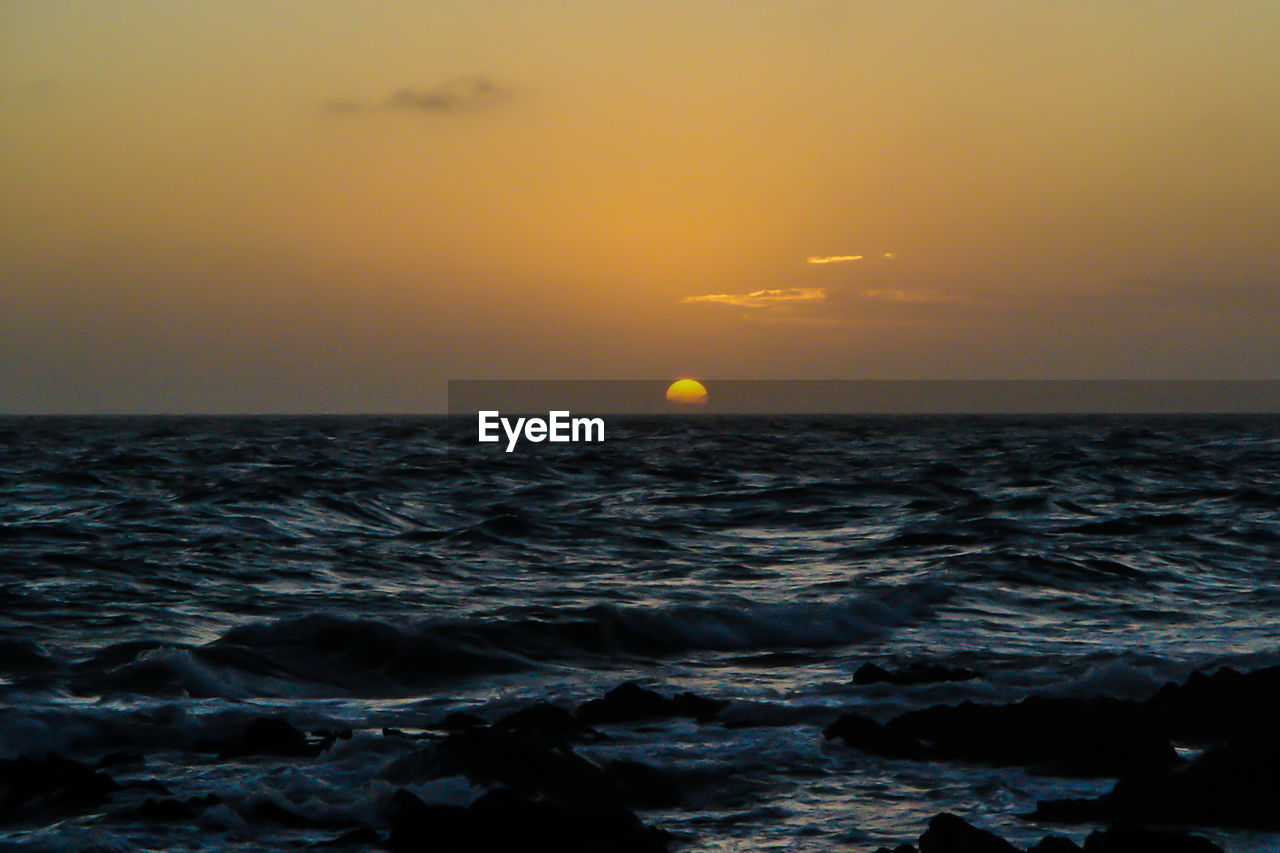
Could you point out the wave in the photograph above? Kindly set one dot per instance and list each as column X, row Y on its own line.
column 323, row 654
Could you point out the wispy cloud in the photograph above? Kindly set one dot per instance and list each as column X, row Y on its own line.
column 916, row 295
column 462, row 94
column 775, row 298
column 833, row 259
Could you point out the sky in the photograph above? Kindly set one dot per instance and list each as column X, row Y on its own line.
column 337, row 206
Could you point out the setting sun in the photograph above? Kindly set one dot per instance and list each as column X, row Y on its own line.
column 687, row 392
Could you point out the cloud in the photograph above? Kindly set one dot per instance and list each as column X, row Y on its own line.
column 833, row 259
column 781, row 297
column 934, row 296
column 469, row 93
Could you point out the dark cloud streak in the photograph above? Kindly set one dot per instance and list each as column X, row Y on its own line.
column 466, row 94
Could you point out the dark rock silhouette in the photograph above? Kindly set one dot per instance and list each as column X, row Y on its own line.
column 915, row 673
column 20, row 656
column 950, row 834
column 630, row 702
column 1207, row 708
column 1230, row 785
column 1057, row 735
column 1135, row 839
column 502, row 821
column 53, row 783
column 270, row 736
column 276, row 736
column 642, row 786
column 864, row 733
column 544, row 718
column 459, row 721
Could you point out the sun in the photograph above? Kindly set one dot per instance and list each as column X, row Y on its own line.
column 687, row 392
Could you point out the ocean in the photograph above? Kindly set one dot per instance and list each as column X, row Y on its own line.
column 166, row 581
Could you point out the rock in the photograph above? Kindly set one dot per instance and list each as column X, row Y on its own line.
column 642, row 786
column 21, row 656
column 510, row 823
column 459, row 721
column 501, row 821
column 950, row 834
column 1207, row 708
column 417, row 826
column 1061, row 735
column 697, row 707
column 519, row 760
column 270, row 736
column 1132, row 839
column 630, row 702
column 544, row 718
column 54, row 782
column 1101, row 737
column 115, row 759
column 915, row 673
column 530, row 766
column 1232, row 785
column 862, row 732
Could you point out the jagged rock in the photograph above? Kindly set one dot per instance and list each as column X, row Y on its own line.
column 415, row 825
column 1207, row 708
column 115, row 759
column 1232, row 785
column 270, row 736
column 503, row 821
column 864, row 733
column 544, row 718
column 518, row 760
column 950, row 834
column 1059, row 735
column 53, row 782
column 630, row 702
column 24, row 656
column 459, row 721
column 915, row 673
column 642, row 786
column 1054, row 844
column 276, row 736
column 531, row 766
column 1132, row 839
column 327, row 736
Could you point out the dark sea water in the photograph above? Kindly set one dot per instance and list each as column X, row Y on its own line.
column 165, row 580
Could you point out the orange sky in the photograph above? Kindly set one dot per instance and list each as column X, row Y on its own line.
column 223, row 205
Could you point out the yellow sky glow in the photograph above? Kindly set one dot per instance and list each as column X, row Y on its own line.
column 225, row 205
